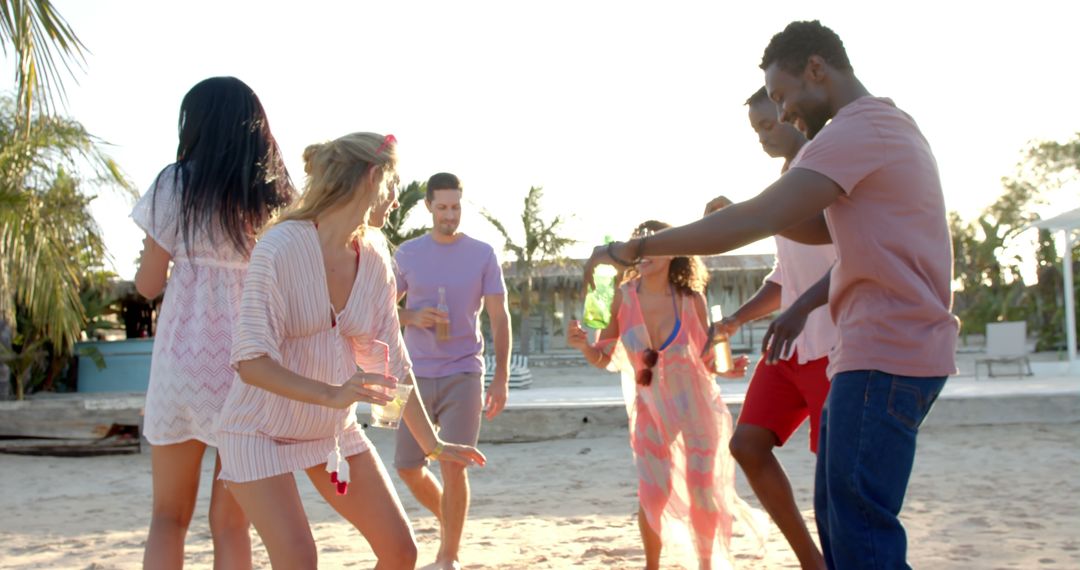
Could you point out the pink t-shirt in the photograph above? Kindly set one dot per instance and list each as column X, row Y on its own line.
column 890, row 292
column 798, row 268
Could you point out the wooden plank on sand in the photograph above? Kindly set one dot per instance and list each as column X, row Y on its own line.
column 70, row 416
column 115, row 445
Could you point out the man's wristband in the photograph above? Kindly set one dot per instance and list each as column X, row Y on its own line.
column 436, row 452
column 637, row 257
column 640, row 249
column 615, row 258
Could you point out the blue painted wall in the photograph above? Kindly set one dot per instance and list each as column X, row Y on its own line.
column 127, row 365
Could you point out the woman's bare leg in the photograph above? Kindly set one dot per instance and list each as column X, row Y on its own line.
column 273, row 505
column 176, row 469
column 372, row 506
column 651, row 541
column 229, row 527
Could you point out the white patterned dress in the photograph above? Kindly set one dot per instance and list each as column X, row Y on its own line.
column 285, row 315
column 189, row 371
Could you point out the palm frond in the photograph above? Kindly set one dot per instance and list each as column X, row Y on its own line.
column 48, row 237
column 47, row 272
column 394, row 229
column 27, row 159
column 508, row 244
column 41, row 41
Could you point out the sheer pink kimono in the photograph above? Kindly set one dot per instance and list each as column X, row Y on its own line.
column 679, row 433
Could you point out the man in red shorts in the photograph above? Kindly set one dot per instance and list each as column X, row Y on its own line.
column 790, row 382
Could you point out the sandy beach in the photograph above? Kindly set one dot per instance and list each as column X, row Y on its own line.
column 980, row 497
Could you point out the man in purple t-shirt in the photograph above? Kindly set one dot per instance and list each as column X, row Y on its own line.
column 445, row 278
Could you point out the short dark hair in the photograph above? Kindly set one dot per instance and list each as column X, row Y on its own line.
column 792, row 48
column 442, row 181
column 759, row 96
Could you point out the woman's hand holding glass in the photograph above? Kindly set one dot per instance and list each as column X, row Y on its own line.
column 363, row 387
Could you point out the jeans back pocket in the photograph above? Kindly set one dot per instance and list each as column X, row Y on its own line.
column 910, row 400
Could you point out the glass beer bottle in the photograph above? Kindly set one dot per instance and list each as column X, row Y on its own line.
column 722, row 348
column 442, row 328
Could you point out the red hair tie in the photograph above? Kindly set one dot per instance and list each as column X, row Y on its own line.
column 387, row 141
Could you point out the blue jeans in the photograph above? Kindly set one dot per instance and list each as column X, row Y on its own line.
column 866, row 449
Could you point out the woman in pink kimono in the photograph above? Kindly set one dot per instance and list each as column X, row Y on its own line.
column 679, row 425
column 318, row 332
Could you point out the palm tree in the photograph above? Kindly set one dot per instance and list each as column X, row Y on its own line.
column 47, row 234
column 394, row 229
column 542, row 246
column 41, row 42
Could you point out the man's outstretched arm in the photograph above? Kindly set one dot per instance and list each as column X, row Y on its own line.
column 795, row 201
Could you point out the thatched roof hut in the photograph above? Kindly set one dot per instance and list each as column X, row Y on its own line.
column 560, row 293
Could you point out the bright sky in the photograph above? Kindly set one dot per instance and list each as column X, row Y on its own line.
column 621, row 110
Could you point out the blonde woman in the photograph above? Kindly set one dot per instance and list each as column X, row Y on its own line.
column 319, row 302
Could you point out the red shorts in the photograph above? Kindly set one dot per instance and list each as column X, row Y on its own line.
column 781, row 395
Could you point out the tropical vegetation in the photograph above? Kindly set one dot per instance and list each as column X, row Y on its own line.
column 51, row 251
column 541, row 245
column 395, row 230
column 989, row 280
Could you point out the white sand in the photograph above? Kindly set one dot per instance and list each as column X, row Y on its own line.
column 980, row 497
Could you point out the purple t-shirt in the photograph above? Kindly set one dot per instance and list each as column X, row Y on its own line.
column 468, row 270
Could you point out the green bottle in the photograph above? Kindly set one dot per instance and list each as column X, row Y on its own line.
column 597, row 313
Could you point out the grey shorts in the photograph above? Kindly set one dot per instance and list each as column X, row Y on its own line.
column 454, row 404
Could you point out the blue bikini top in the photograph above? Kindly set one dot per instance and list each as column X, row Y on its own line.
column 678, row 324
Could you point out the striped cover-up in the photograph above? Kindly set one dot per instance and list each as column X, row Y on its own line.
column 285, row 314
column 679, row 434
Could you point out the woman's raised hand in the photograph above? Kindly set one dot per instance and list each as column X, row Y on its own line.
column 576, row 336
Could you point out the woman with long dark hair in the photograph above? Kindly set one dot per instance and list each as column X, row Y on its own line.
column 201, row 216
column 679, row 425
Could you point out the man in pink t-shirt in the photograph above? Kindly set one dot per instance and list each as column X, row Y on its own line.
column 867, row 182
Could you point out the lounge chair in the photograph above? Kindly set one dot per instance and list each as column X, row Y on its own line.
column 1006, row 343
column 520, row 375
